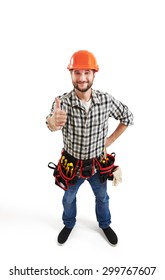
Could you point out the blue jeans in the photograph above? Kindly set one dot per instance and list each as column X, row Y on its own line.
column 101, row 201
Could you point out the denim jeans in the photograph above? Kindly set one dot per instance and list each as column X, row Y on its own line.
column 101, row 201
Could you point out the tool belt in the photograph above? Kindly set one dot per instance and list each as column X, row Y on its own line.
column 69, row 169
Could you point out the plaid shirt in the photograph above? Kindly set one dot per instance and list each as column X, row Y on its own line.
column 84, row 133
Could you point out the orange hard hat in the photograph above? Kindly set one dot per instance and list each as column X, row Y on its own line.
column 83, row 60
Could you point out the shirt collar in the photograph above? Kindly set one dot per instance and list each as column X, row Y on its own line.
column 95, row 98
column 76, row 102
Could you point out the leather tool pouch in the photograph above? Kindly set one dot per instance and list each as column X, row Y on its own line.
column 65, row 172
column 87, row 168
column 106, row 167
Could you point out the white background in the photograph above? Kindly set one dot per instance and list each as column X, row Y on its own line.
column 37, row 41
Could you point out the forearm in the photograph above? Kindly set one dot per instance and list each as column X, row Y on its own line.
column 118, row 131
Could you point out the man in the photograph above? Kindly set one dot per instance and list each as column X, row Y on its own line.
column 82, row 115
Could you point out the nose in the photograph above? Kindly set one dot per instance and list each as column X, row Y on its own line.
column 82, row 77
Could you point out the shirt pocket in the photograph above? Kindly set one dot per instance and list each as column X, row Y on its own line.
column 100, row 120
column 99, row 125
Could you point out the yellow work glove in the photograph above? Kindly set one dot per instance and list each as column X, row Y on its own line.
column 117, row 176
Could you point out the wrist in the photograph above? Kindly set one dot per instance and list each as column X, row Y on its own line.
column 109, row 141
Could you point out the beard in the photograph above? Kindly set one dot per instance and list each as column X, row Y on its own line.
column 84, row 89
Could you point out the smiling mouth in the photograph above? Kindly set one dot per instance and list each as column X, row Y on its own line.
column 82, row 84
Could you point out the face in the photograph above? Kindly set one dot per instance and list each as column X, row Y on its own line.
column 82, row 79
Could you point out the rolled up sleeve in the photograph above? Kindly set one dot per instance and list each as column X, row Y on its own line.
column 120, row 112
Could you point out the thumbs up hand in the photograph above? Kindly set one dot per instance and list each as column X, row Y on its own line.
column 59, row 115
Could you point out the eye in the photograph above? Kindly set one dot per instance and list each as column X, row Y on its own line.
column 76, row 72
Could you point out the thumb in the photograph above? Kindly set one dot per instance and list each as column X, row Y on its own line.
column 58, row 101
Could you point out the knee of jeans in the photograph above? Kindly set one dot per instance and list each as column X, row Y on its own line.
column 69, row 199
column 102, row 198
